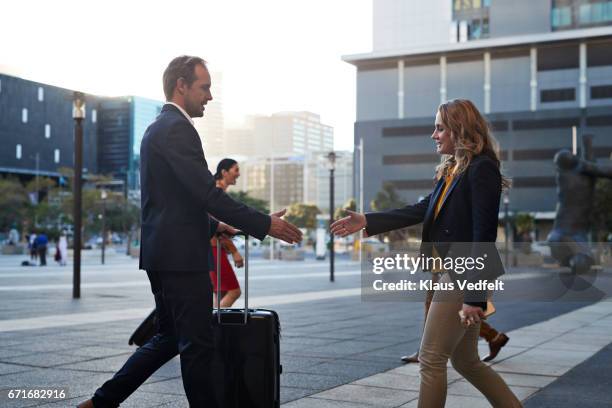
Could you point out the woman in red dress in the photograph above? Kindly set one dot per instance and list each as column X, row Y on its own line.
column 227, row 173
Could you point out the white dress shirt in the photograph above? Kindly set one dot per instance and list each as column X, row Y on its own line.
column 182, row 111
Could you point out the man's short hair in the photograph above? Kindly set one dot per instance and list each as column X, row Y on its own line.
column 180, row 67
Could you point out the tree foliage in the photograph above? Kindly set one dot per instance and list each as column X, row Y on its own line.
column 54, row 209
column 602, row 210
column 341, row 212
column 387, row 199
column 245, row 198
column 303, row 215
column 524, row 223
column 14, row 203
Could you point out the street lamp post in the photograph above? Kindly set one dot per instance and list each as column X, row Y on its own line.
column 37, row 195
column 78, row 114
column 332, row 166
column 271, row 203
column 103, row 195
column 507, row 225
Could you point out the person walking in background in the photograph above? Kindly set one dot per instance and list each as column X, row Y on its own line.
column 463, row 207
column 63, row 248
column 58, row 256
column 496, row 340
column 226, row 175
column 32, row 247
column 41, row 247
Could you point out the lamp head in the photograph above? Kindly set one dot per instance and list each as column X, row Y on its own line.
column 78, row 105
column 332, row 159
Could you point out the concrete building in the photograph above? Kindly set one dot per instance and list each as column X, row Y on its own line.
column 211, row 126
column 239, row 142
column 294, row 145
column 281, row 134
column 536, row 68
column 297, row 179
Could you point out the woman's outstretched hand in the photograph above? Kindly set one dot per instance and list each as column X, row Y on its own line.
column 349, row 224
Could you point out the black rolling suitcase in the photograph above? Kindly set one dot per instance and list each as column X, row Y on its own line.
column 246, row 365
column 247, row 351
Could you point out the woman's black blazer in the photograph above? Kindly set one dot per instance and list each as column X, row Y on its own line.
column 469, row 214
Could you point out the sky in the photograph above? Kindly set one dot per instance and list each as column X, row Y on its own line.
column 275, row 55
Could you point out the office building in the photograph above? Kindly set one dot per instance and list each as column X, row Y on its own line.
column 211, row 126
column 297, row 179
column 535, row 68
column 281, row 134
column 37, row 130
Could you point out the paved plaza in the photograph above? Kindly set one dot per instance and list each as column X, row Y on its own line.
column 336, row 350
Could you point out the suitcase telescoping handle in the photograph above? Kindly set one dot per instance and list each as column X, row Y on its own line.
column 246, row 277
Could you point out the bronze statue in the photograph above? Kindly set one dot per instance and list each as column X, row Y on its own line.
column 576, row 178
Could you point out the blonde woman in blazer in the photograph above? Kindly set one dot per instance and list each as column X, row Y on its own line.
column 463, row 207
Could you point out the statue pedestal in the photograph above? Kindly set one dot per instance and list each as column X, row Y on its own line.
column 18, row 249
column 532, row 259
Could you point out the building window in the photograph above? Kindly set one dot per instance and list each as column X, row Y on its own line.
column 94, row 116
column 18, row 152
column 561, row 17
column 47, row 131
column 601, row 92
column 461, row 5
column 598, row 53
column 558, row 95
column 41, row 94
column 595, row 13
column 56, row 155
column 24, row 115
column 558, row 57
column 478, row 29
column 567, row 14
column 470, row 20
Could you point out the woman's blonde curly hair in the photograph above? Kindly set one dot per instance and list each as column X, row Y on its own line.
column 471, row 135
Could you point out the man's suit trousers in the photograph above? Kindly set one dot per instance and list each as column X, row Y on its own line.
column 183, row 302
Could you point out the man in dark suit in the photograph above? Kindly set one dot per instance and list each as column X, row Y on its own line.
column 178, row 193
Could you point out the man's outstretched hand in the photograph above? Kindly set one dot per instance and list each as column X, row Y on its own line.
column 349, row 224
column 284, row 230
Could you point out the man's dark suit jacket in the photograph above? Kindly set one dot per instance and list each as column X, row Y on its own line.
column 469, row 214
column 177, row 194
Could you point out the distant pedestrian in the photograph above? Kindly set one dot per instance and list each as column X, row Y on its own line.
column 13, row 236
column 32, row 247
column 63, row 248
column 41, row 247
column 57, row 257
